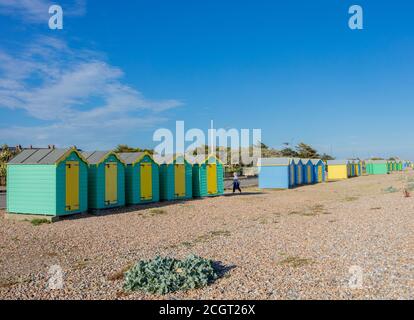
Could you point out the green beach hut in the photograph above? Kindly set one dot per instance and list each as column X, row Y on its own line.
column 389, row 166
column 141, row 178
column 394, row 165
column 175, row 178
column 379, row 167
column 106, row 180
column 51, row 182
column 208, row 176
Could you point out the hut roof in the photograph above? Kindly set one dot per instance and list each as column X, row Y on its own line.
column 316, row 161
column 132, row 157
column 296, row 160
column 42, row 156
column 334, row 162
column 170, row 158
column 200, row 159
column 379, row 161
column 96, row 157
column 273, row 161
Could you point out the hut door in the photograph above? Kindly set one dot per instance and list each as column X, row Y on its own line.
column 319, row 173
column 146, row 181
column 179, row 180
column 299, row 174
column 72, row 185
column 111, row 183
column 211, row 178
column 309, row 174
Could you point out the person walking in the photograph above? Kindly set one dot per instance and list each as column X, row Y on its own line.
column 236, row 183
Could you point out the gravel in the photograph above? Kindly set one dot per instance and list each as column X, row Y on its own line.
column 291, row 244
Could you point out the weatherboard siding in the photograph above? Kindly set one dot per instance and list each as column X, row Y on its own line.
column 200, row 179
column 61, row 186
column 167, row 181
column 133, row 184
column 31, row 189
column 96, row 186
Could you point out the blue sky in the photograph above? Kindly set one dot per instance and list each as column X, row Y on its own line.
column 120, row 70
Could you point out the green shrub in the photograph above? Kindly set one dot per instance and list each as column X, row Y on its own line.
column 163, row 275
column 38, row 222
column 390, row 190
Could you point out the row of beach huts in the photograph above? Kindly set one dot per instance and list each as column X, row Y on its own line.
column 285, row 173
column 58, row 182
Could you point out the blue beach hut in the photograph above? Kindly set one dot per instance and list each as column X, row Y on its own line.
column 307, row 171
column 298, row 171
column 318, row 170
column 276, row 173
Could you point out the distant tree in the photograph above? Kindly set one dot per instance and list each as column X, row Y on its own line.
column 289, row 152
column 268, row 152
column 5, row 156
column 377, row 158
column 306, row 151
column 391, row 159
column 326, row 157
column 125, row 148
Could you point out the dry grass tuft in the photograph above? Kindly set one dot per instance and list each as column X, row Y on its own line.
column 296, row 262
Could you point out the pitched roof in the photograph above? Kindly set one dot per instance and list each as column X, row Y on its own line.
column 273, row 161
column 297, row 160
column 379, row 161
column 333, row 162
column 131, row 157
column 95, row 157
column 40, row 156
column 305, row 161
column 200, row 159
column 316, row 161
column 170, row 158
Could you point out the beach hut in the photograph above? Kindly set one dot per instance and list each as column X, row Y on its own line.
column 175, row 178
column 379, row 167
column 395, row 165
column 276, row 173
column 318, row 170
column 106, row 180
column 399, row 165
column 363, row 167
column 357, row 167
column 338, row 169
column 298, row 171
column 389, row 166
column 141, row 178
column 307, row 171
column 368, row 167
column 208, row 176
column 50, row 182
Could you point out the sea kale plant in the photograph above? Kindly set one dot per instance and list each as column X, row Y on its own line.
column 164, row 275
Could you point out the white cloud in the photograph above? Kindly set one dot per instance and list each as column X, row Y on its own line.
column 78, row 96
column 37, row 11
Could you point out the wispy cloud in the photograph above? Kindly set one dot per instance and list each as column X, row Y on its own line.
column 77, row 95
column 37, row 11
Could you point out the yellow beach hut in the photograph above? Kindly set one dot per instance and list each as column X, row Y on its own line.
column 338, row 169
